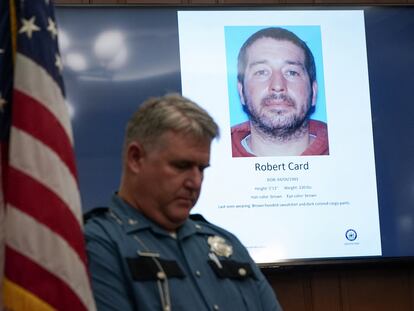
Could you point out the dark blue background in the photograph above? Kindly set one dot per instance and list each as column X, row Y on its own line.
column 390, row 44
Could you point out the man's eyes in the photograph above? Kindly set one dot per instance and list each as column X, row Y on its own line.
column 181, row 165
column 289, row 73
column 188, row 165
column 261, row 72
column 292, row 73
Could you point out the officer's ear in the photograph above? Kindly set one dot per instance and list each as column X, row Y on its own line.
column 134, row 156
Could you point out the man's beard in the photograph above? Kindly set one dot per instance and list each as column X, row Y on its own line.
column 277, row 123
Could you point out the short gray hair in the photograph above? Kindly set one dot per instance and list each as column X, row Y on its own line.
column 173, row 112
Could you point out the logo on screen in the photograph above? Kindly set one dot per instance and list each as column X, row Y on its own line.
column 351, row 235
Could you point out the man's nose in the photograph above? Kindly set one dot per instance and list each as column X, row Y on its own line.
column 194, row 178
column 277, row 82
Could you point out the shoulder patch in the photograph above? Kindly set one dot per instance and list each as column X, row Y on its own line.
column 96, row 211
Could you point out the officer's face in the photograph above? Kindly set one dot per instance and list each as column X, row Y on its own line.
column 170, row 178
column 276, row 91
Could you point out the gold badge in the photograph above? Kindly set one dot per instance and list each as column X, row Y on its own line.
column 219, row 246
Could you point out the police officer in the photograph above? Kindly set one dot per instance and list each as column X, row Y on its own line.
column 145, row 251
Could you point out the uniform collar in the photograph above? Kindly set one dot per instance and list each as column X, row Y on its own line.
column 133, row 220
column 191, row 227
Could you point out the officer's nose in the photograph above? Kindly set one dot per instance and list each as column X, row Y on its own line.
column 194, row 178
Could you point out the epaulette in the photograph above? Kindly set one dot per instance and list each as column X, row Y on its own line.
column 96, row 211
column 198, row 217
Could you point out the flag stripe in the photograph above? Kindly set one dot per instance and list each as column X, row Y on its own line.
column 66, row 300
column 43, row 205
column 18, row 298
column 41, row 247
column 46, row 167
column 56, row 139
column 31, row 79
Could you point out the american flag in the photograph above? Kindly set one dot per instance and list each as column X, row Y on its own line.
column 40, row 212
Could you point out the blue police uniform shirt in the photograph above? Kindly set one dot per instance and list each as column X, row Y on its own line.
column 137, row 265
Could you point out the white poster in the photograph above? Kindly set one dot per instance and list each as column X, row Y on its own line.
column 288, row 206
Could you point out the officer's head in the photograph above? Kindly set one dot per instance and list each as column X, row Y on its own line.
column 166, row 149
